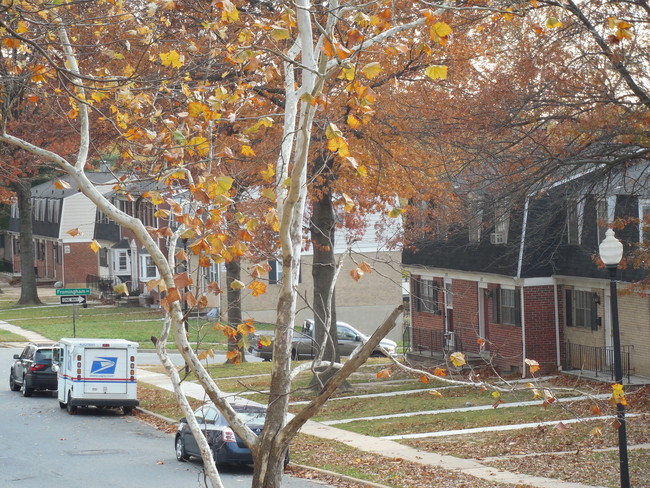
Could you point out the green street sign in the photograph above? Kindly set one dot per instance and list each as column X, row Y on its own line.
column 73, row 291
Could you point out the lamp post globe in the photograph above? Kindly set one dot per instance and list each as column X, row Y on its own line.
column 611, row 250
column 611, row 253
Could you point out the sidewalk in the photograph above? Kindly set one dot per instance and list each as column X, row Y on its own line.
column 376, row 445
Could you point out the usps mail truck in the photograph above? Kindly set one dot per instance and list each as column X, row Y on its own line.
column 96, row 372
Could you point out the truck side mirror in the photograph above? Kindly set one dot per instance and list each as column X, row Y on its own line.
column 56, row 355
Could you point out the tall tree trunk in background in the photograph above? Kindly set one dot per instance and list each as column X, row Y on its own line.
column 322, row 227
column 233, row 300
column 28, row 292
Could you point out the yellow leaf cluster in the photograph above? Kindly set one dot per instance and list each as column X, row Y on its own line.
column 95, row 246
column 533, row 365
column 618, row 394
column 172, row 58
column 436, row 72
column 457, row 359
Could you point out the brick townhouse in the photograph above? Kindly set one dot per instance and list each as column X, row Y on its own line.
column 522, row 281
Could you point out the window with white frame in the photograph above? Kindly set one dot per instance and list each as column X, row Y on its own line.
column 581, row 309
column 644, row 221
column 506, row 309
column 602, row 218
column 148, row 269
column 475, row 226
column 572, row 222
column 121, row 261
column 501, row 224
column 425, row 295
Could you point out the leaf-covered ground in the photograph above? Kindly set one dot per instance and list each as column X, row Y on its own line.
column 573, row 452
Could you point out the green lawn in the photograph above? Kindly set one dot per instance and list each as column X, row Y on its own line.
column 136, row 324
column 6, row 336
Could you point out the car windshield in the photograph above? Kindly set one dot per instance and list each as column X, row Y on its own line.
column 251, row 415
column 44, row 356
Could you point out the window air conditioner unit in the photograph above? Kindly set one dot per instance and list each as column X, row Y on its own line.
column 497, row 238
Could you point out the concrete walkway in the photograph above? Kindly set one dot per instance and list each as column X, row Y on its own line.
column 379, row 446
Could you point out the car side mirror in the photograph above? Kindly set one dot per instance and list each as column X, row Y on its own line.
column 358, row 339
column 16, row 356
column 182, row 420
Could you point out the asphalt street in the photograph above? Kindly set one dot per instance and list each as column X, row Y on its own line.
column 45, row 446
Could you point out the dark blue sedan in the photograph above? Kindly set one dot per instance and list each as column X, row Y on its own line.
column 227, row 447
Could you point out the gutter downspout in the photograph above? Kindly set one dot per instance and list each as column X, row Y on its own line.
column 518, row 281
column 556, row 305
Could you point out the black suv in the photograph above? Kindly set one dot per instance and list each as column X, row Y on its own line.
column 32, row 370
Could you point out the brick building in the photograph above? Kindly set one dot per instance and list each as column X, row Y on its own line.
column 522, row 281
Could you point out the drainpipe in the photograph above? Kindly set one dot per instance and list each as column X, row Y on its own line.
column 520, row 260
column 556, row 305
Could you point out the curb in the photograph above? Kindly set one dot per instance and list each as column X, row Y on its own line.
column 325, row 472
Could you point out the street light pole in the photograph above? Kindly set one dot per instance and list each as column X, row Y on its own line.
column 611, row 252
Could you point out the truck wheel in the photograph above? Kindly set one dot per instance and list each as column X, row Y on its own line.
column 12, row 383
column 27, row 392
column 72, row 409
column 62, row 404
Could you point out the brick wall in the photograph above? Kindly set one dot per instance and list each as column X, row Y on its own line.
column 79, row 262
column 540, row 326
column 634, row 321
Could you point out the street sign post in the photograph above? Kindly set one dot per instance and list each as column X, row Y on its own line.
column 72, row 291
column 75, row 299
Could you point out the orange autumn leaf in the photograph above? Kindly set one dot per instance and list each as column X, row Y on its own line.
column 595, row 409
column 172, row 295
column 246, row 328
column 424, row 379
column 181, row 255
column 384, row 373
column 205, row 261
column 62, row 185
column 190, row 299
column 258, row 288
column 183, row 280
column 74, row 232
column 234, row 356
column 440, row 372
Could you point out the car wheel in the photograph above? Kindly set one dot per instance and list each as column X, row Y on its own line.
column 27, row 392
column 127, row 410
column 286, row 460
column 179, row 445
column 12, row 383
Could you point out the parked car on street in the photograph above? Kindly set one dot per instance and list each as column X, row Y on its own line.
column 32, row 370
column 305, row 347
column 227, row 447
